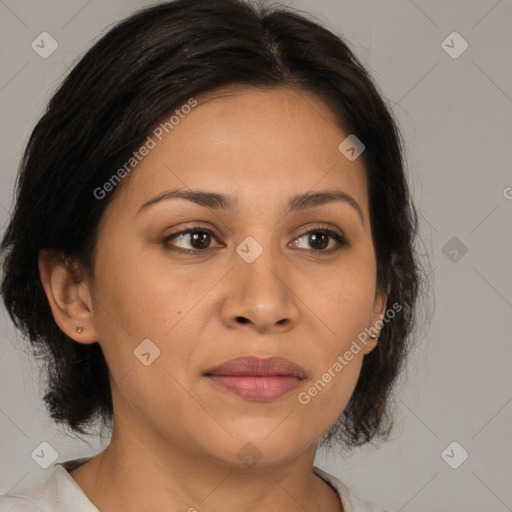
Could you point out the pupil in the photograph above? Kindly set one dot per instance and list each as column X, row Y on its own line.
column 200, row 237
column 322, row 237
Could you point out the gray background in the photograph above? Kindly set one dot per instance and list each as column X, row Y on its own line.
column 456, row 118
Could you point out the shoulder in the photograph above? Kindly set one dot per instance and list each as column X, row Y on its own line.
column 26, row 500
column 351, row 501
column 59, row 493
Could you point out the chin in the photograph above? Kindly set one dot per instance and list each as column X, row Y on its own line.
column 267, row 445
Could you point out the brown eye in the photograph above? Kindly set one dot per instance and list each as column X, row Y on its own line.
column 320, row 240
column 199, row 239
column 191, row 240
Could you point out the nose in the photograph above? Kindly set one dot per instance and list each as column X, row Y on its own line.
column 260, row 295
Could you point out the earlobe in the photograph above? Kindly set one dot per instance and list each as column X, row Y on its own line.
column 68, row 296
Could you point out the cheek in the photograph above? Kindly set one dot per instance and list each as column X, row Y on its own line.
column 135, row 295
column 345, row 310
column 345, row 300
column 140, row 300
column 325, row 397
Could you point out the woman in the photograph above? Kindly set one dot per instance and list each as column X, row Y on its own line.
column 221, row 266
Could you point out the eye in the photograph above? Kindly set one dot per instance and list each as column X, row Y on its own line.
column 193, row 239
column 319, row 239
column 199, row 239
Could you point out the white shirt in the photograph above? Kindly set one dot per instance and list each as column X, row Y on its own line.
column 60, row 493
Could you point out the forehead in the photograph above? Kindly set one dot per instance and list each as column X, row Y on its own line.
column 252, row 144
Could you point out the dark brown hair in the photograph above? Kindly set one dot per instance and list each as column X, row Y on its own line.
column 132, row 78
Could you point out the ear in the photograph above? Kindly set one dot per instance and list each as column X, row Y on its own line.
column 376, row 315
column 69, row 297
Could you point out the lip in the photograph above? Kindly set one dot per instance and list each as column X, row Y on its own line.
column 257, row 379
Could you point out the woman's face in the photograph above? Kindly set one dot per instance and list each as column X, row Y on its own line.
column 250, row 275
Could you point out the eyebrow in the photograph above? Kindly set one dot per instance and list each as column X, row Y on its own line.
column 221, row 201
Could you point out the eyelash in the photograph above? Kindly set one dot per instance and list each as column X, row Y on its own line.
column 338, row 237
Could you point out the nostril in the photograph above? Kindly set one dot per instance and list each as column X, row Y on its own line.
column 241, row 319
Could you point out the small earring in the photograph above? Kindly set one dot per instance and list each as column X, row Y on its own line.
column 79, row 329
column 372, row 336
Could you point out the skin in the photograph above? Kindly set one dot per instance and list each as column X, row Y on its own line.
column 176, row 435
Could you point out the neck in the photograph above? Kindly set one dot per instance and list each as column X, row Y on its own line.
column 140, row 472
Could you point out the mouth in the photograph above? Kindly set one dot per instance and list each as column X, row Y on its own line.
column 255, row 379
